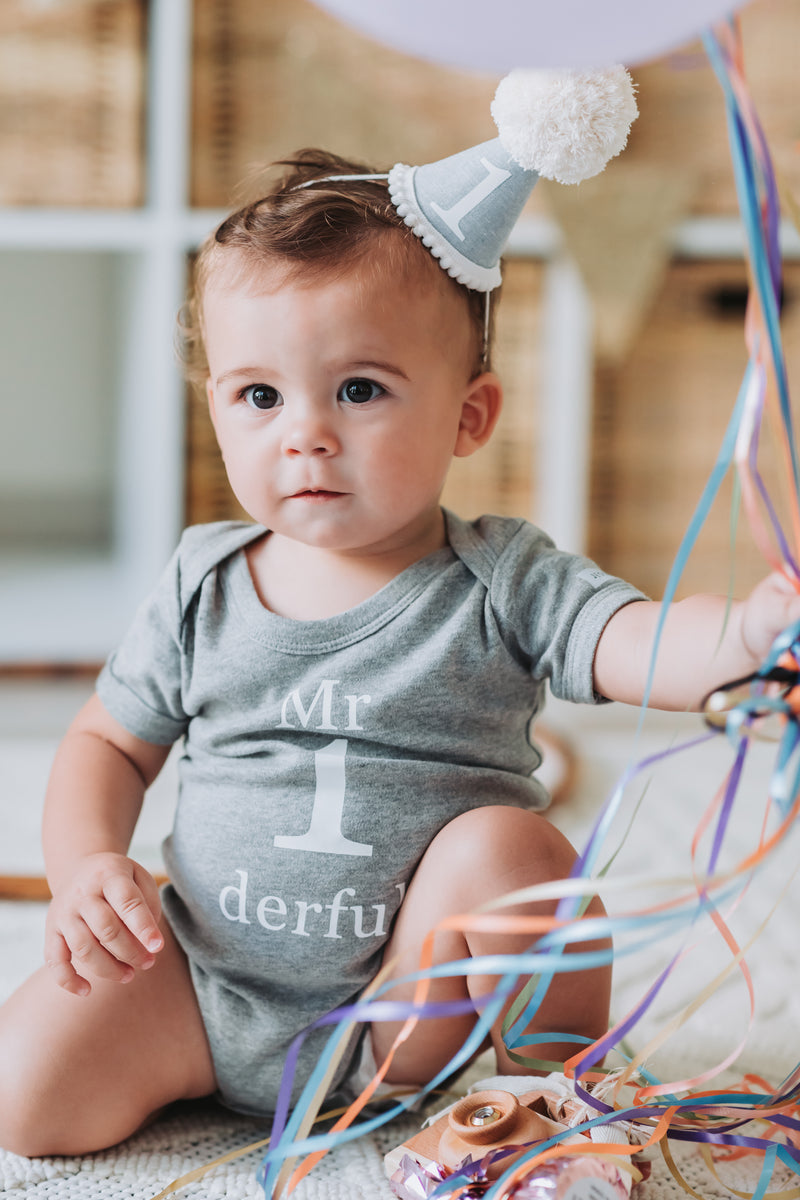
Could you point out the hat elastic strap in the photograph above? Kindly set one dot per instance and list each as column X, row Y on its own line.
column 337, row 179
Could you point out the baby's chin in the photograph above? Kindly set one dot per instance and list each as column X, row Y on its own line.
column 340, row 524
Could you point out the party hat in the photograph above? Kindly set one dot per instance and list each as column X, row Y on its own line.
column 562, row 125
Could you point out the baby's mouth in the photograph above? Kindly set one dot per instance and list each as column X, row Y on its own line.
column 316, row 494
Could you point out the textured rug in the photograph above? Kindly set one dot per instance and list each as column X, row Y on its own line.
column 671, row 796
column 193, row 1136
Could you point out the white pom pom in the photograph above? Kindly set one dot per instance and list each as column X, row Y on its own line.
column 564, row 124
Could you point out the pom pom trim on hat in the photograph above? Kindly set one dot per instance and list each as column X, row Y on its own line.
column 564, row 124
column 462, row 269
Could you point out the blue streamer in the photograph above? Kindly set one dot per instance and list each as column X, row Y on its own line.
column 547, row 954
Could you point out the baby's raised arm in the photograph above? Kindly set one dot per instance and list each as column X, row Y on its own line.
column 699, row 650
column 103, row 919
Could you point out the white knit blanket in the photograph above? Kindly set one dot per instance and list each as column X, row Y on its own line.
column 658, row 847
column 196, row 1135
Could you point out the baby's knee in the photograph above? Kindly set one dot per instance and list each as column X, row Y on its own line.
column 503, row 841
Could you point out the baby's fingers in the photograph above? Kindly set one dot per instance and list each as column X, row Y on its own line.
column 135, row 902
column 73, row 953
column 152, row 898
column 122, row 952
column 58, row 958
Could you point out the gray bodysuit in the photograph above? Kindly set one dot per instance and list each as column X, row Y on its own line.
column 321, row 757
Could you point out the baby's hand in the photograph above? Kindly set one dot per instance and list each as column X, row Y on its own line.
column 771, row 607
column 103, row 922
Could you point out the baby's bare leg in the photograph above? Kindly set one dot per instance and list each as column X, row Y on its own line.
column 480, row 856
column 80, row 1073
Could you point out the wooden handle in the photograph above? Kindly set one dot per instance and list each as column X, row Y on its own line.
column 35, row 887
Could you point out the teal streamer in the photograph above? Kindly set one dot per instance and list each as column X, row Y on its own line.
column 745, row 165
column 787, row 772
column 767, row 1171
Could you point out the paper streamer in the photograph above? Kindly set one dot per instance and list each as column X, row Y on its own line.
column 721, row 1123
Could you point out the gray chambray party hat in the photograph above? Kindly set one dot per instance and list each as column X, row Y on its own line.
column 562, row 125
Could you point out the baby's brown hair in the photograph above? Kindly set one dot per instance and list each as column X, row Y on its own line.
column 321, row 229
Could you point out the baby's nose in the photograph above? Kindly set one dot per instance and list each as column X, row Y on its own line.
column 310, row 433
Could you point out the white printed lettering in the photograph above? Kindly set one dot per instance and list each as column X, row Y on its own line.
column 324, row 834
column 274, row 906
column 358, row 921
column 452, row 217
column 325, row 690
column 271, row 910
column 303, row 909
column 241, row 892
column 335, row 909
column 352, row 704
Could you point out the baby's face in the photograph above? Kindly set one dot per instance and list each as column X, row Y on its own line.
column 337, row 403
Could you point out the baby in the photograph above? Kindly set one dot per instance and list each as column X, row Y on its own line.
column 353, row 675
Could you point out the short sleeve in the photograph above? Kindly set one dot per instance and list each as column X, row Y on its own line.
column 552, row 608
column 140, row 684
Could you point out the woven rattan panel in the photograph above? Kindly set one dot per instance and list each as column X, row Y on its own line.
column 272, row 77
column 208, row 495
column 496, row 479
column 659, row 424
column 681, row 125
column 71, row 105
column 499, row 478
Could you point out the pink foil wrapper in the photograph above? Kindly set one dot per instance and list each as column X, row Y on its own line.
column 413, row 1181
column 585, row 1178
column 580, row 1178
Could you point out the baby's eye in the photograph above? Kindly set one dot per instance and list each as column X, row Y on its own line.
column 262, row 396
column 359, row 391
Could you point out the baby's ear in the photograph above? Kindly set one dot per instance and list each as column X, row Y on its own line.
column 481, row 408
